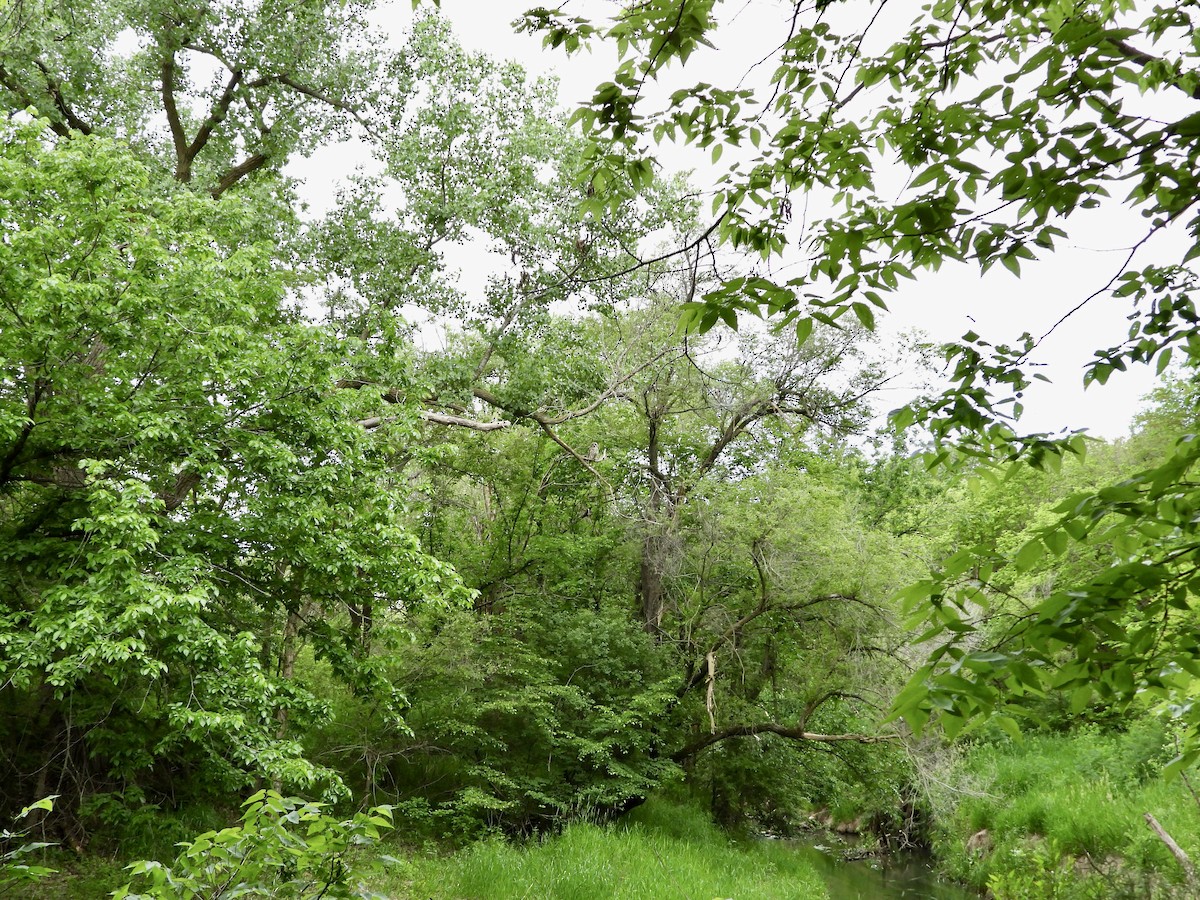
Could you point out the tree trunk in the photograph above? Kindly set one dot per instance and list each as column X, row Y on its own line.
column 656, row 542
column 650, row 581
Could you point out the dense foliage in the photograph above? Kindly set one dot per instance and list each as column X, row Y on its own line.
column 289, row 505
column 228, row 518
column 187, row 493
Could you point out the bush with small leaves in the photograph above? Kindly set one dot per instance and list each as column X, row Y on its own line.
column 283, row 847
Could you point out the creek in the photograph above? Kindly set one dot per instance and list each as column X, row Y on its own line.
column 895, row 877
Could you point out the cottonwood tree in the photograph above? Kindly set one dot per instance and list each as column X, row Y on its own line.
column 1005, row 121
column 218, row 92
column 225, row 96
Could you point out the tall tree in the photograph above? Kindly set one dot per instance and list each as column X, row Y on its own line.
column 694, row 410
column 185, row 490
column 218, row 92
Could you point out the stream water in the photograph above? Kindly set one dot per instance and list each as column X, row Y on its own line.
column 904, row 877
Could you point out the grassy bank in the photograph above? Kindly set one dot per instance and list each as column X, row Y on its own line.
column 1061, row 816
column 661, row 851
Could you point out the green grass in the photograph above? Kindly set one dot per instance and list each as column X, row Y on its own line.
column 662, row 851
column 75, row 878
column 1064, row 816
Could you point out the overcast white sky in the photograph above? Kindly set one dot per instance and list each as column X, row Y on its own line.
column 944, row 305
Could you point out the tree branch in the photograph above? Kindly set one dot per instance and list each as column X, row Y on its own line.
column 315, row 94
column 610, row 392
column 1133, row 54
column 440, row 419
column 185, row 483
column 794, row 733
column 183, row 161
column 216, row 115
column 547, row 425
column 14, row 86
column 250, row 164
column 31, row 405
column 762, row 609
column 60, row 101
column 670, row 254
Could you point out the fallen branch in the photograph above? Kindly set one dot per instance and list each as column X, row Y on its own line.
column 1176, row 851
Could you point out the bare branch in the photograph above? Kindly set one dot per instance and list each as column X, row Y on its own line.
column 761, row 609
column 440, row 419
column 578, row 458
column 670, row 254
column 610, row 392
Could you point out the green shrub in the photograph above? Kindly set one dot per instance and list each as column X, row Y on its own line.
column 1060, row 808
column 1041, row 870
column 1145, row 749
column 521, row 722
column 13, row 867
column 284, row 847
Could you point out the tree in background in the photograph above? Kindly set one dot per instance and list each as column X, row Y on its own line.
column 558, row 694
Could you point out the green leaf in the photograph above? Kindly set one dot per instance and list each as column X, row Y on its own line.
column 46, row 804
column 1029, row 554
column 1057, row 540
column 1009, row 726
column 804, row 327
column 865, row 315
column 1080, row 698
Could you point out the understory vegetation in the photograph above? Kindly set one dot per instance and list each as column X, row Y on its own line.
column 333, row 566
column 662, row 849
column 1062, row 815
